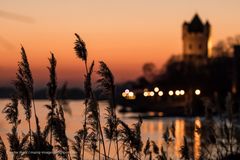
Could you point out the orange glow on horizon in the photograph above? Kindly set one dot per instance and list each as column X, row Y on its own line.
column 118, row 32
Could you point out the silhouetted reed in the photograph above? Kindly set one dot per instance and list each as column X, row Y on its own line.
column 24, row 86
column 56, row 120
column 62, row 98
column 77, row 144
column 40, row 144
column 52, row 89
column 59, row 134
column 80, row 48
column 222, row 137
column 92, row 124
column 185, row 150
column 11, row 114
column 3, row 152
column 106, row 82
column 81, row 51
column 131, row 139
column 150, row 149
column 11, row 111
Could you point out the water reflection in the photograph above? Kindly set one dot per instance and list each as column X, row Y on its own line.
column 197, row 139
column 179, row 133
column 155, row 128
column 152, row 128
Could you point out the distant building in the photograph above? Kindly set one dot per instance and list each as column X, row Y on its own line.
column 196, row 38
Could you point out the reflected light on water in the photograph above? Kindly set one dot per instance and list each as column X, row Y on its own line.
column 197, row 139
column 160, row 131
column 152, row 128
column 179, row 136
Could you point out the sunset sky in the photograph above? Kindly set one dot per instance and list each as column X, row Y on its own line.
column 123, row 33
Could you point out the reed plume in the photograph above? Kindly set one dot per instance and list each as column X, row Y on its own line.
column 151, row 148
column 62, row 98
column 58, row 126
column 91, row 113
column 19, row 146
column 24, row 95
column 25, row 67
column 11, row 111
column 131, row 139
column 184, row 151
column 77, row 144
column 147, row 148
column 24, row 86
column 155, row 147
column 56, row 122
column 163, row 155
column 52, row 88
column 59, row 134
column 166, row 136
column 92, row 116
column 93, row 125
column 40, row 144
column 81, row 51
column 11, row 114
column 80, row 48
column 3, row 152
column 106, row 82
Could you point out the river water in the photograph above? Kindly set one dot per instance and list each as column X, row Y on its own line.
column 152, row 128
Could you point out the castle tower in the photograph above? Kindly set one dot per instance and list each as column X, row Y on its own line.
column 196, row 37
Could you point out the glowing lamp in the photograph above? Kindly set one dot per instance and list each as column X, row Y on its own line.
column 130, row 94
column 156, row 89
column 197, row 92
column 151, row 93
column 182, row 92
column 170, row 93
column 177, row 92
column 145, row 94
column 124, row 94
column 160, row 93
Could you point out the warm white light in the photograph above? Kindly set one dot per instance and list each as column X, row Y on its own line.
column 151, row 93
column 130, row 94
column 127, row 91
column 145, row 94
column 182, row 92
column 156, row 89
column 197, row 92
column 177, row 92
column 160, row 93
column 170, row 92
column 124, row 94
